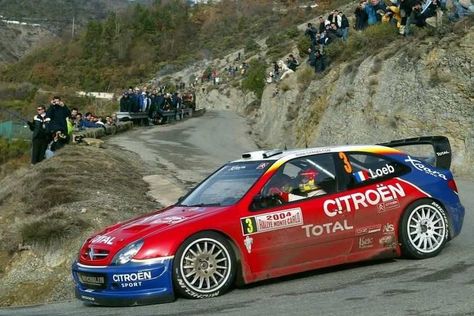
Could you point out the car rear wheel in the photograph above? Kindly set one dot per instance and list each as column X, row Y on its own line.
column 204, row 266
column 424, row 229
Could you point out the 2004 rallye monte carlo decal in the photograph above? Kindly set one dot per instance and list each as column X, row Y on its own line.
column 317, row 206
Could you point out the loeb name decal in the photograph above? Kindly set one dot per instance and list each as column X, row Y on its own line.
column 271, row 221
column 353, row 202
column 364, row 175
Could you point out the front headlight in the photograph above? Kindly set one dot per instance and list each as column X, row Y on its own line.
column 127, row 253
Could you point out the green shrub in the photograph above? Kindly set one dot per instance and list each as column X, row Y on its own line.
column 303, row 43
column 305, row 76
column 255, row 78
column 369, row 42
column 12, row 149
column 251, row 45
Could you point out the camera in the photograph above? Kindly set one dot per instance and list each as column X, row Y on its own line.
column 79, row 139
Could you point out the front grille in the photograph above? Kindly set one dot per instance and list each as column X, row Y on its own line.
column 92, row 280
column 91, row 254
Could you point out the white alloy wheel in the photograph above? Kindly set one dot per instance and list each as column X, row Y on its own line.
column 426, row 228
column 204, row 266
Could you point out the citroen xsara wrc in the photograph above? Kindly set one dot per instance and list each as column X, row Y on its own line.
column 274, row 213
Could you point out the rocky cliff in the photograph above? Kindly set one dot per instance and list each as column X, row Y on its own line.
column 407, row 90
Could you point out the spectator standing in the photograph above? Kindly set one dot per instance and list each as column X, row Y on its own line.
column 361, row 16
column 125, row 102
column 40, row 137
column 58, row 112
column 311, row 33
column 344, row 26
column 276, row 72
column 322, row 25
column 320, row 62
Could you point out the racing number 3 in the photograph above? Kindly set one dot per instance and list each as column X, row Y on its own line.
column 345, row 160
column 248, row 225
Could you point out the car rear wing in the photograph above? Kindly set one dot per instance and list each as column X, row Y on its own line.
column 440, row 144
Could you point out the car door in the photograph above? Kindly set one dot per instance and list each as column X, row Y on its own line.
column 374, row 195
column 293, row 229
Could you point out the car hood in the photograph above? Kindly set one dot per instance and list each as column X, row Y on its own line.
column 107, row 243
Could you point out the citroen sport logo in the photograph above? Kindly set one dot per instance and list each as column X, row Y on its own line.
column 420, row 166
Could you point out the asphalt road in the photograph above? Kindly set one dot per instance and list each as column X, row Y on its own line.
column 188, row 151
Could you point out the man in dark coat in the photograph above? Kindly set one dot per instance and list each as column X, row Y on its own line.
column 40, row 138
column 311, row 33
column 58, row 112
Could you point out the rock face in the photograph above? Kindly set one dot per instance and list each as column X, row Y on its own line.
column 17, row 40
column 401, row 92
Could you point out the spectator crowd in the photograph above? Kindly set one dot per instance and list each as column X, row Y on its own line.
column 52, row 127
column 335, row 27
column 157, row 104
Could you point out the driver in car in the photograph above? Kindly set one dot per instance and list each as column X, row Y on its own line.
column 283, row 186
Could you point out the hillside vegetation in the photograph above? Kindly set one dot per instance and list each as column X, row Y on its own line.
column 129, row 47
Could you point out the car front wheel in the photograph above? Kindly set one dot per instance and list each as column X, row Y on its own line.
column 424, row 229
column 204, row 266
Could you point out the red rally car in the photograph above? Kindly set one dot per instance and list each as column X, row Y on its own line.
column 274, row 213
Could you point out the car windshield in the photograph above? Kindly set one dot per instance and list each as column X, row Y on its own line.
column 227, row 185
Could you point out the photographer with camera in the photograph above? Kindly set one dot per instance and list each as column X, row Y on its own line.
column 58, row 112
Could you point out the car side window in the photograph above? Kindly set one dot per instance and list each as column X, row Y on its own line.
column 368, row 168
column 300, row 179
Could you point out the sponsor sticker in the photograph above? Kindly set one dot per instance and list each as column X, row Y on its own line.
column 382, row 194
column 312, row 230
column 103, row 239
column 248, row 241
column 422, row 167
column 388, row 228
column 128, row 280
column 366, row 242
column 387, row 206
column 91, row 279
column 271, row 221
column 262, row 165
column 368, row 229
column 237, row 168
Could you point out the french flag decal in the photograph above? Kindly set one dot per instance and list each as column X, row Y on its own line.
column 361, row 176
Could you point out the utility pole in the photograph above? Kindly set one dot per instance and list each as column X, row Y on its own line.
column 73, row 26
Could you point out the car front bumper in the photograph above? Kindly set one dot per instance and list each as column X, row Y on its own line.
column 134, row 283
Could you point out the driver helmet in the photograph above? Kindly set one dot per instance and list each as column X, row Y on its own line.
column 307, row 180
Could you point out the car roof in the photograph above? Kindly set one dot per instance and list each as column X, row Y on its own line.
column 277, row 154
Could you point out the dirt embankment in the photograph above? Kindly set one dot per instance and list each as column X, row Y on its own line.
column 48, row 210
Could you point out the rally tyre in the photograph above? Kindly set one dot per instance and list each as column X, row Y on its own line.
column 204, row 266
column 424, row 229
